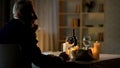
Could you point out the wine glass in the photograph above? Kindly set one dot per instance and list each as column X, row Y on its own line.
column 87, row 41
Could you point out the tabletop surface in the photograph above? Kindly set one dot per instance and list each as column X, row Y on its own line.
column 102, row 56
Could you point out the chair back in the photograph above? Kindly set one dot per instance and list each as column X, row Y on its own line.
column 9, row 55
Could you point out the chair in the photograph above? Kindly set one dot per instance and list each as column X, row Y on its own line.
column 9, row 54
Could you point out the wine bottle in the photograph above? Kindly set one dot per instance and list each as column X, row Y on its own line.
column 74, row 38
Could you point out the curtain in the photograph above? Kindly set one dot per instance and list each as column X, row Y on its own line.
column 46, row 11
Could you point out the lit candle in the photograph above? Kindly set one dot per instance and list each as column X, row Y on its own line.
column 96, row 50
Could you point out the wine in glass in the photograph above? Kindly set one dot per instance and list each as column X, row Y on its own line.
column 87, row 41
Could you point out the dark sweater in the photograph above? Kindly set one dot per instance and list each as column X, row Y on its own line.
column 17, row 32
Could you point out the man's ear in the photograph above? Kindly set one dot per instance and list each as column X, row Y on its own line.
column 19, row 14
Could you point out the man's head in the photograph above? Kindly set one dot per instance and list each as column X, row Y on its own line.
column 23, row 10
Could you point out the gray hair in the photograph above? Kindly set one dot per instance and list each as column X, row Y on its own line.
column 23, row 7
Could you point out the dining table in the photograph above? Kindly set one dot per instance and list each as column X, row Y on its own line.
column 104, row 61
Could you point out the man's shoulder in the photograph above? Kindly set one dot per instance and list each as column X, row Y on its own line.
column 15, row 23
column 12, row 25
